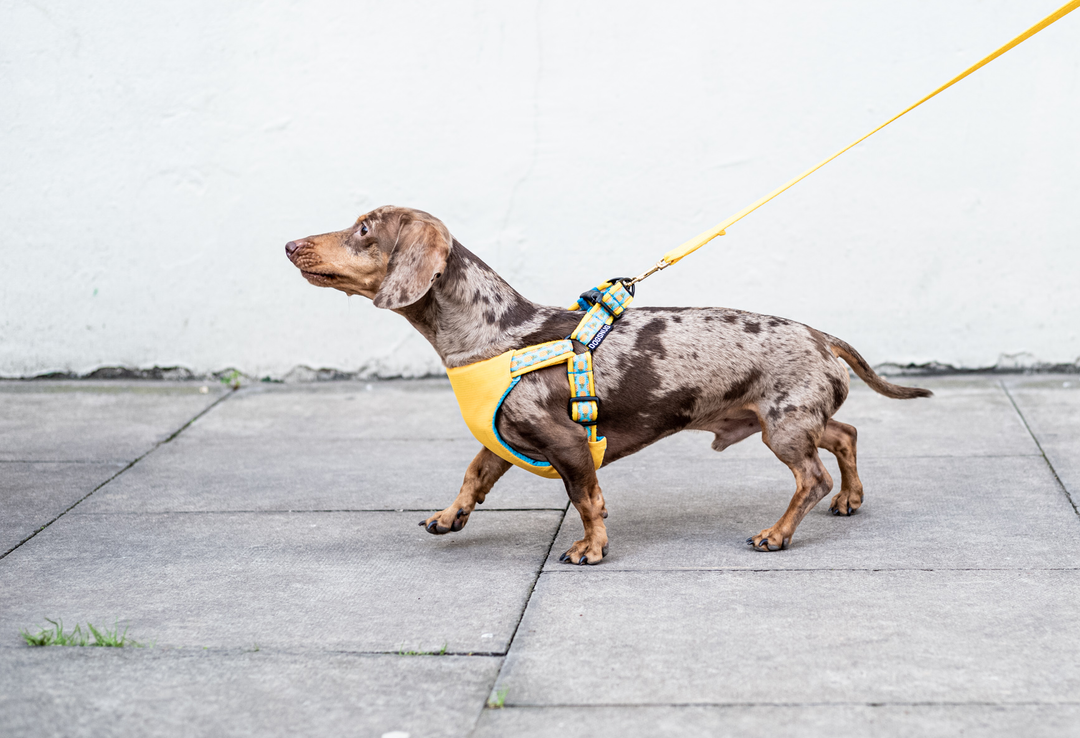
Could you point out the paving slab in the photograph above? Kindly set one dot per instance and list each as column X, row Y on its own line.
column 947, row 605
column 918, row 513
column 95, row 421
column 367, row 581
column 33, row 493
column 1051, row 407
column 808, row 637
column 967, row 416
column 415, row 410
column 196, row 473
column 156, row 692
column 833, row 721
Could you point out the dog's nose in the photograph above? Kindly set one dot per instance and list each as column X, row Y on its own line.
column 292, row 246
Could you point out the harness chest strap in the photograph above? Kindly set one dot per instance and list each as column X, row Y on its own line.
column 481, row 387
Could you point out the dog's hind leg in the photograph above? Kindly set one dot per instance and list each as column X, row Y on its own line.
column 483, row 472
column 795, row 444
column 839, row 439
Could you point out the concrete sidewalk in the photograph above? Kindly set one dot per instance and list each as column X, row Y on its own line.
column 265, row 542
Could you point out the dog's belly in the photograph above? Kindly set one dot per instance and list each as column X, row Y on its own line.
column 663, row 370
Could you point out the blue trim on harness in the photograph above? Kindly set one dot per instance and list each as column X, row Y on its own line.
column 522, row 457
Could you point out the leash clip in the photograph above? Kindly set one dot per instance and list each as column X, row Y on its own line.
column 662, row 264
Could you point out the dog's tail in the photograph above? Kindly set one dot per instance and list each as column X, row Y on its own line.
column 843, row 350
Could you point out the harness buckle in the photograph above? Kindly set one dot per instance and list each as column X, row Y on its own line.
column 584, row 398
column 593, row 297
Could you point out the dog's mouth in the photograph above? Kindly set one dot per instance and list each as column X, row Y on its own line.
column 318, row 277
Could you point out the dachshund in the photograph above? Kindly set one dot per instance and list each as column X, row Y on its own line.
column 660, row 371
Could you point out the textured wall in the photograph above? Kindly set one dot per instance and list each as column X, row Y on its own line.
column 157, row 156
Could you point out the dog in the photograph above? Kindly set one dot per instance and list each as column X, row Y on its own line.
column 660, row 371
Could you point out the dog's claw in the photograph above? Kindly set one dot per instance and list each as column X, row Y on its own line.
column 836, row 508
column 423, row 523
column 765, row 545
column 565, row 556
column 461, row 512
column 583, row 560
column 432, row 526
column 603, row 551
column 750, row 541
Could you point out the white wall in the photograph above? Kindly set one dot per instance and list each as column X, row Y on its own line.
column 155, row 157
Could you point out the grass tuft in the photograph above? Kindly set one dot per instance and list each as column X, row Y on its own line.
column 497, row 700
column 57, row 636
column 231, row 379
column 440, row 652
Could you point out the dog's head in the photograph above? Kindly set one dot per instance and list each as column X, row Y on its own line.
column 391, row 255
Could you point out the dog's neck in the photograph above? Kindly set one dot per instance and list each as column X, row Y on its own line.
column 471, row 313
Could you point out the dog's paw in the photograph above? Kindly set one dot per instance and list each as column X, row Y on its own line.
column 768, row 540
column 583, row 552
column 450, row 520
column 844, row 503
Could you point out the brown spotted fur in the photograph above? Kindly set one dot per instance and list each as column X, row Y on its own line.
column 738, row 373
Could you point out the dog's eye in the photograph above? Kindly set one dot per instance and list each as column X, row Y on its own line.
column 363, row 229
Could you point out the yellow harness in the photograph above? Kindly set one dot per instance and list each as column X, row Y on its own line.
column 482, row 387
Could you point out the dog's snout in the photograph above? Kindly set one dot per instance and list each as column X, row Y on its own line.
column 292, row 246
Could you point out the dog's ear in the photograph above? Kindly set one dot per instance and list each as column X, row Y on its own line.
column 416, row 262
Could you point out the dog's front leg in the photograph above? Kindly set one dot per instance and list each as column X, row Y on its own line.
column 584, row 491
column 483, row 472
column 590, row 506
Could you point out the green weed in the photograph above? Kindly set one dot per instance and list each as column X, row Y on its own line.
column 496, row 701
column 231, row 379
column 57, row 636
column 440, row 652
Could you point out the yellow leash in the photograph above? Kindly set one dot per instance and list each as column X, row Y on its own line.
column 700, row 240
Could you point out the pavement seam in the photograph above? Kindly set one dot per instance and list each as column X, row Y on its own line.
column 521, row 617
column 625, row 705
column 152, row 449
column 1039, row 446
column 736, row 570
column 85, row 462
column 274, row 651
column 343, row 510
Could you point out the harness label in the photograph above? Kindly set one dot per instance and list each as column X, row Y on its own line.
column 599, row 337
